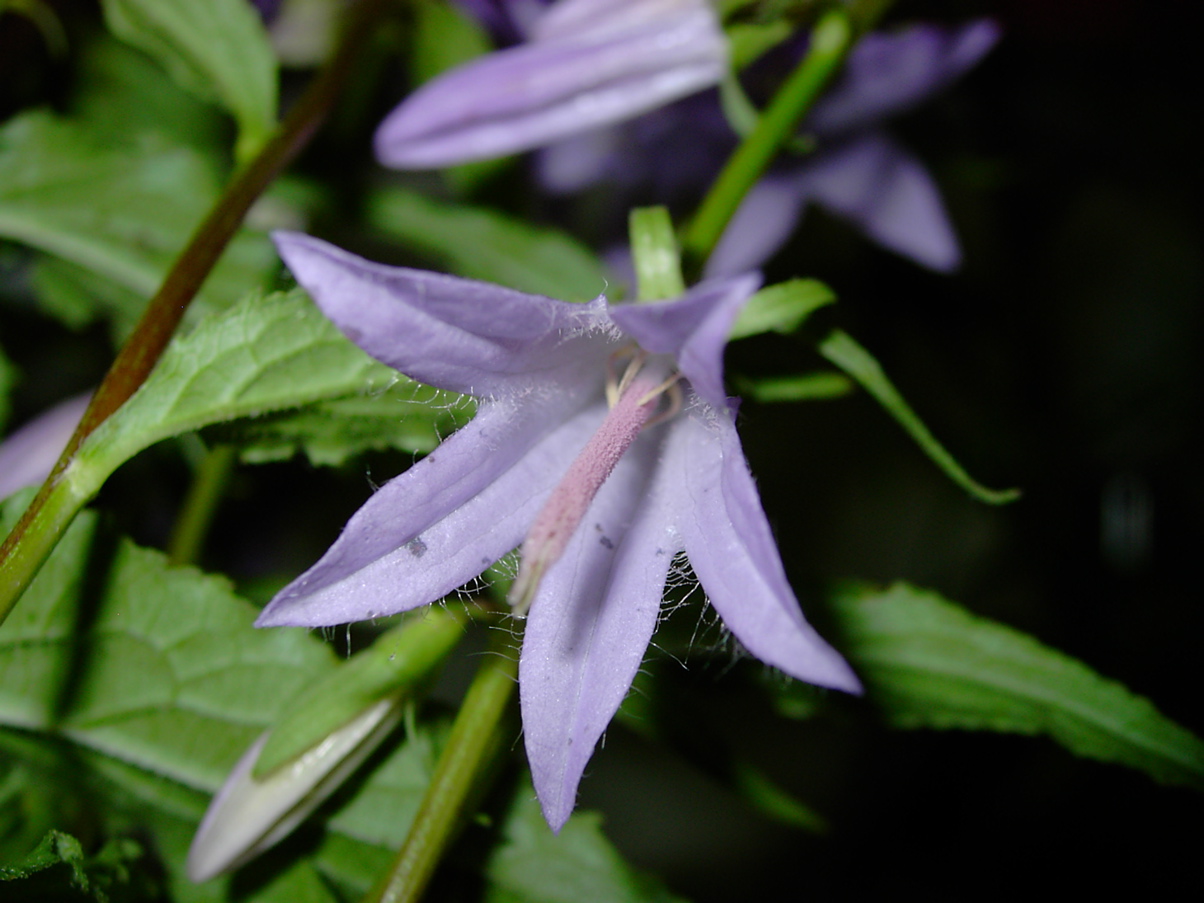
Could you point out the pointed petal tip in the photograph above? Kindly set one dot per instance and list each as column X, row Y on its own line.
column 556, row 816
column 812, row 661
column 277, row 616
column 556, row 822
column 284, row 238
column 294, row 247
column 840, row 676
column 297, row 609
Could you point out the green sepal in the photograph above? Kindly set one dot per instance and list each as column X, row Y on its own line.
column 817, row 386
column 844, row 351
column 749, row 41
column 928, row 663
column 773, row 801
column 397, row 662
column 655, row 254
column 783, row 308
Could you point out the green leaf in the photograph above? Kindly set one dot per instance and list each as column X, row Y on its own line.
column 483, row 244
column 405, row 415
column 842, row 350
column 76, row 296
column 929, row 663
column 166, row 674
column 443, row 37
column 165, row 683
column 219, row 50
column 46, row 19
column 120, row 93
column 773, row 801
column 56, row 848
column 781, row 308
column 33, row 673
column 264, row 355
column 143, row 201
column 91, row 876
column 578, row 865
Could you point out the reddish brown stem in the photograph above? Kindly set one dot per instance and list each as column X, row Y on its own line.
column 163, row 314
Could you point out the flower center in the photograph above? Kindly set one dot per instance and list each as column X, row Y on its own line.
column 634, row 399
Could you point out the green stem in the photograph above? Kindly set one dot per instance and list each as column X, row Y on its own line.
column 476, row 737
column 196, row 514
column 36, row 534
column 831, row 39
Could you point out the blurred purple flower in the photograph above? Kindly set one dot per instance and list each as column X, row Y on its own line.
column 586, row 64
column 606, row 494
column 857, row 172
column 267, row 8
column 29, row 454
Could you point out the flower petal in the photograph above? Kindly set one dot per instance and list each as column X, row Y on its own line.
column 582, row 75
column 889, row 73
column 693, row 328
column 444, row 520
column 459, row 334
column 30, row 453
column 763, row 222
column 732, row 550
column 889, row 195
column 569, row 19
column 590, row 625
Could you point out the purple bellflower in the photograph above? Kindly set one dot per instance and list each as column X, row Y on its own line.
column 603, row 444
column 589, row 66
column 587, row 63
column 857, row 172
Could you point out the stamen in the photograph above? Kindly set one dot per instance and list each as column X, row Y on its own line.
column 671, row 388
column 615, row 388
column 634, row 409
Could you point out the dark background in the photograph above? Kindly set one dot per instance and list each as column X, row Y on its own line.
column 1064, row 358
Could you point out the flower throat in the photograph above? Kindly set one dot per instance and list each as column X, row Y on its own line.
column 634, row 400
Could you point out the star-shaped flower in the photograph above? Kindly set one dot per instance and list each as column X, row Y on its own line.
column 604, row 438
